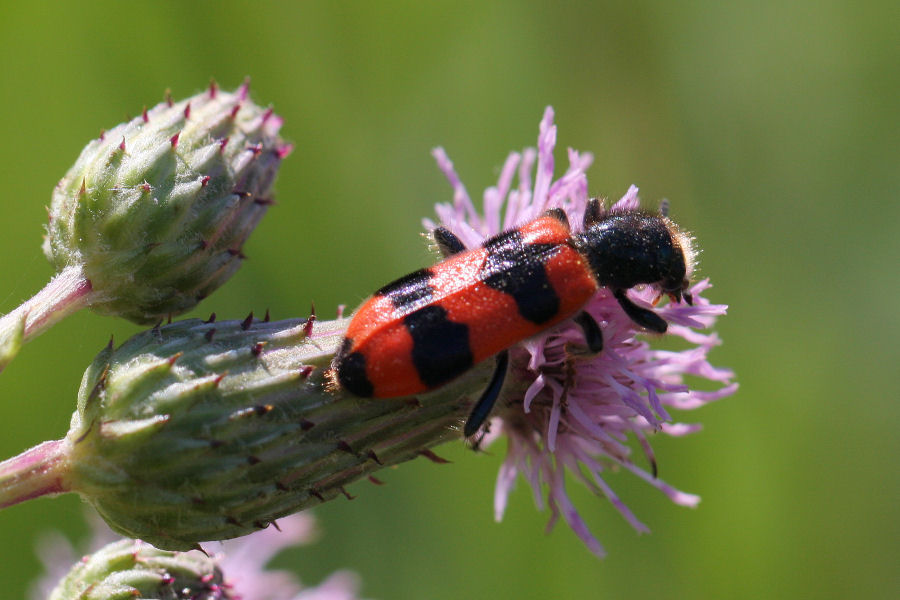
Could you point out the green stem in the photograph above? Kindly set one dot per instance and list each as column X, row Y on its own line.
column 66, row 293
column 34, row 473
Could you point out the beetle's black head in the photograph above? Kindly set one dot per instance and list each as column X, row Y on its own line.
column 626, row 249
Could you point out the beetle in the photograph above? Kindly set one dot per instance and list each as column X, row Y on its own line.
column 431, row 326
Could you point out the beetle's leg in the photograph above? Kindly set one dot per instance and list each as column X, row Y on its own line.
column 593, row 335
column 592, row 212
column 643, row 317
column 447, row 241
column 558, row 214
column 664, row 207
column 484, row 405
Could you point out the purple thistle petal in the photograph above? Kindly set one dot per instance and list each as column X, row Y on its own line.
column 553, row 424
column 599, row 486
column 566, row 191
column 495, row 196
column 680, row 429
column 506, row 481
column 560, row 499
column 546, row 143
column 536, row 386
column 629, row 201
column 243, row 560
column 462, row 204
column 342, row 585
column 578, row 413
column 521, row 197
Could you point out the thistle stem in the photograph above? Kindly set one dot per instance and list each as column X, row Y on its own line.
column 66, row 293
column 36, row 472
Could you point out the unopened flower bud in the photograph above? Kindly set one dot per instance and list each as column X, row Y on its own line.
column 153, row 216
column 231, row 570
column 134, row 570
column 201, row 431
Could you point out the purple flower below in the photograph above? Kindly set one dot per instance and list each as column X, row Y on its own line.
column 244, row 561
column 580, row 412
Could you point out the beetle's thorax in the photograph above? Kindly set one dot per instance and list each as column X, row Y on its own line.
column 631, row 248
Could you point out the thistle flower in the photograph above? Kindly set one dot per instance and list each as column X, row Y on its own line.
column 204, row 430
column 133, row 569
column 243, row 561
column 577, row 413
column 153, row 216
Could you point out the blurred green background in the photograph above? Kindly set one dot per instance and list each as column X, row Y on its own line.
column 772, row 127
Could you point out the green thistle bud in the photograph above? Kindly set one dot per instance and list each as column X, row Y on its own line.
column 134, row 570
column 202, row 431
column 156, row 211
column 153, row 216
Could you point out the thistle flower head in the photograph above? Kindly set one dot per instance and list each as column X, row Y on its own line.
column 564, row 412
column 209, row 430
column 132, row 569
column 235, row 570
column 155, row 211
